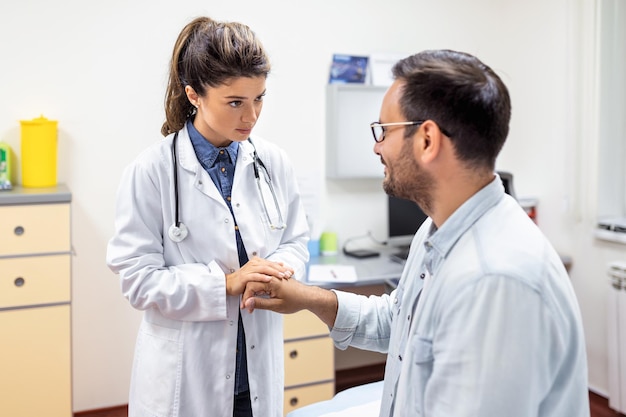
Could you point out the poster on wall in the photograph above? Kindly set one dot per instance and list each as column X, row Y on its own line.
column 348, row 69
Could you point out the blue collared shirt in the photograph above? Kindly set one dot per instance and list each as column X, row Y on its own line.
column 497, row 330
column 220, row 164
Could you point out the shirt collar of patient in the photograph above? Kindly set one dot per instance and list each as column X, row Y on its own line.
column 443, row 239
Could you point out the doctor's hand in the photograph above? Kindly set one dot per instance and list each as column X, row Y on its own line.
column 256, row 270
column 289, row 296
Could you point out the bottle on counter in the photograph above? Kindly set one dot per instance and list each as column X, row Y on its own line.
column 5, row 166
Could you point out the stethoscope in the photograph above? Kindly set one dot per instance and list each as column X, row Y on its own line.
column 178, row 231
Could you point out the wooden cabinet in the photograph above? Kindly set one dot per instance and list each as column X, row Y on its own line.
column 309, row 361
column 35, row 302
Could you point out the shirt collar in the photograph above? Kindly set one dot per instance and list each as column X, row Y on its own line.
column 442, row 240
column 206, row 152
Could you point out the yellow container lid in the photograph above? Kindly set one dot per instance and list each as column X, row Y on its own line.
column 37, row 121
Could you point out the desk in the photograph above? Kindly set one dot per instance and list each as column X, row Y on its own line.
column 370, row 271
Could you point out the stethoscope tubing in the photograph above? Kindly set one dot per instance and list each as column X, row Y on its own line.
column 178, row 231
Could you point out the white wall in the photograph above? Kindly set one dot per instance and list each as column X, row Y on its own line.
column 100, row 70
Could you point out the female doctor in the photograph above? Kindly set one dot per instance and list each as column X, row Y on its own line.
column 198, row 216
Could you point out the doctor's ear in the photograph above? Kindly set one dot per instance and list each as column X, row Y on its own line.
column 192, row 96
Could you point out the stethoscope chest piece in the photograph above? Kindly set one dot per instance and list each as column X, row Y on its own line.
column 178, row 233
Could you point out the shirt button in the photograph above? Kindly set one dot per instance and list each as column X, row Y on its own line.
column 395, row 301
column 422, row 276
column 252, row 347
column 254, row 253
column 231, row 323
column 223, row 169
column 256, row 398
column 232, row 270
column 226, row 220
column 227, row 376
column 408, row 317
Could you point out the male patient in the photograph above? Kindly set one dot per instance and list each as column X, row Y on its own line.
column 484, row 321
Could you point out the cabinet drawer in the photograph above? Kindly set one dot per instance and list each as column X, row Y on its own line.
column 38, row 228
column 309, row 361
column 36, row 362
column 303, row 324
column 34, row 280
column 299, row 397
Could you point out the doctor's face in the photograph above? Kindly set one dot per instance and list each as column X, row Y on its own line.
column 229, row 112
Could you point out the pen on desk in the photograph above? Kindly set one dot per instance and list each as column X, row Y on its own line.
column 332, row 272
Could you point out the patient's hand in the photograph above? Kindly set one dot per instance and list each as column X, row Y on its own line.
column 279, row 295
column 289, row 296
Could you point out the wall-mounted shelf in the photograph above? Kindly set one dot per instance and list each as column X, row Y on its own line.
column 350, row 108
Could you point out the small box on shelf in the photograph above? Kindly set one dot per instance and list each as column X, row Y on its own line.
column 348, row 69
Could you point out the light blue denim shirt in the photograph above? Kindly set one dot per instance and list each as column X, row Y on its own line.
column 497, row 330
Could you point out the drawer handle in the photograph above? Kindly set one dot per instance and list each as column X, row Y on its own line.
column 293, row 401
column 19, row 231
column 19, row 281
column 293, row 354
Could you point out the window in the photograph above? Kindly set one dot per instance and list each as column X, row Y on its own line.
column 612, row 121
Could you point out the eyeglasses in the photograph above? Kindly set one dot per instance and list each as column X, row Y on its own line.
column 379, row 131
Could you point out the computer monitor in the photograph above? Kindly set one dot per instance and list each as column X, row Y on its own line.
column 507, row 182
column 404, row 217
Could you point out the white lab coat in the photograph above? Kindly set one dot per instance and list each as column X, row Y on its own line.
column 184, row 363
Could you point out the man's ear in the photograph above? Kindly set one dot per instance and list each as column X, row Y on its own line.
column 192, row 96
column 429, row 141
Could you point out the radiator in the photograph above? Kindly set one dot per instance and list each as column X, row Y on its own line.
column 616, row 330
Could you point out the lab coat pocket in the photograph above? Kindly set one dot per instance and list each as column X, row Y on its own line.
column 156, row 375
column 272, row 231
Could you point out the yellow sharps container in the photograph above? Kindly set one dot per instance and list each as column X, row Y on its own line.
column 39, row 152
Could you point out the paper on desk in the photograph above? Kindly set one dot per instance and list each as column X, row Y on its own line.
column 332, row 273
column 370, row 409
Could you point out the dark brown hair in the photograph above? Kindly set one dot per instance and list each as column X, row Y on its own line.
column 209, row 53
column 465, row 97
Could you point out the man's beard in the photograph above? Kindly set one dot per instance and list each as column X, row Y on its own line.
column 408, row 180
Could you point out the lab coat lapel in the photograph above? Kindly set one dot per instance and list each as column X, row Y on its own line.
column 188, row 160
